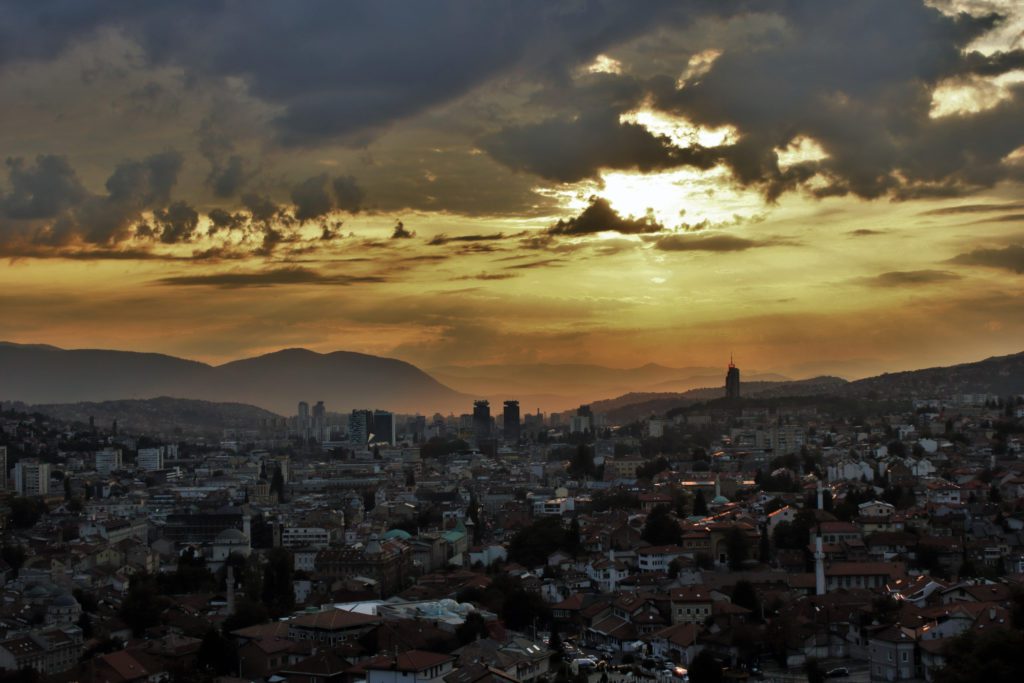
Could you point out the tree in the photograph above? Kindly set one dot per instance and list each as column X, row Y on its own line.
column 277, row 484
column 649, row 469
column 700, row 505
column 472, row 628
column 737, row 545
column 573, row 543
column 532, row 545
column 143, row 605
column 744, row 595
column 14, row 555
column 582, row 463
column 247, row 613
column 25, row 512
column 705, row 668
column 278, row 591
column 661, row 528
column 555, row 643
column 996, row 656
column 216, row 654
column 814, row 671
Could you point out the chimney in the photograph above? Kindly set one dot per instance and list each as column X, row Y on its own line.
column 819, row 567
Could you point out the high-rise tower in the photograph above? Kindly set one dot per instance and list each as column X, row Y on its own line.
column 510, row 421
column 732, row 380
column 481, row 421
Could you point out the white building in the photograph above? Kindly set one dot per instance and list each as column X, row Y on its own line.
column 305, row 537
column 108, row 460
column 32, row 478
column 150, row 459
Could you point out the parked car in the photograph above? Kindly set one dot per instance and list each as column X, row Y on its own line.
column 838, row 672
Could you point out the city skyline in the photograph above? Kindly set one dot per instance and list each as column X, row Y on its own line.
column 466, row 185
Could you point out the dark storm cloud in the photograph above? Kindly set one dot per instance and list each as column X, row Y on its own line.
column 855, row 77
column 908, row 278
column 338, row 70
column 227, row 179
column 703, row 242
column 268, row 278
column 865, row 232
column 1008, row 258
column 311, row 198
column 488, row 276
column 178, row 223
column 568, row 149
column 544, row 263
column 314, row 199
column 47, row 205
column 41, row 190
column 400, row 233
column 348, row 194
column 599, row 216
column 441, row 239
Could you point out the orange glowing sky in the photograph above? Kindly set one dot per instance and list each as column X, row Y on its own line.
column 834, row 188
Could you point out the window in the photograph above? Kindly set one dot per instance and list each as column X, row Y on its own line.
column 903, row 655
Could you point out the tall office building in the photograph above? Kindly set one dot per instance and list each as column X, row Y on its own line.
column 732, row 380
column 32, row 478
column 150, row 459
column 319, row 425
column 360, row 427
column 383, row 427
column 510, row 421
column 302, row 424
column 3, row 468
column 108, row 460
column 481, row 421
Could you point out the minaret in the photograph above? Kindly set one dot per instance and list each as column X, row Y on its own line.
column 821, row 497
column 819, row 566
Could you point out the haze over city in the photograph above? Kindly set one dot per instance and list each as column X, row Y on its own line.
column 820, row 188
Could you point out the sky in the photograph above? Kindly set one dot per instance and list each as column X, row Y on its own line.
column 816, row 187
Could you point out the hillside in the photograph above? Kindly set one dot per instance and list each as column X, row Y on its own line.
column 275, row 381
column 631, row 407
column 999, row 375
column 561, row 386
column 161, row 415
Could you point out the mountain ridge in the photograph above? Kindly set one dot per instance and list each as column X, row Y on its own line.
column 276, row 381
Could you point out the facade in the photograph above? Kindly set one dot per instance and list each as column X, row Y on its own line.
column 510, row 421
column 150, row 459
column 108, row 460
column 892, row 655
column 360, row 426
column 32, row 478
column 383, row 427
column 389, row 564
column 481, row 421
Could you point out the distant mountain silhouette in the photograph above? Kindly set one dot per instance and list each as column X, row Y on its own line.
column 998, row 376
column 634, row 406
column 158, row 416
column 276, row 381
column 560, row 386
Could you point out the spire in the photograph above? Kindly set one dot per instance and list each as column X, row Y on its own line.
column 731, row 363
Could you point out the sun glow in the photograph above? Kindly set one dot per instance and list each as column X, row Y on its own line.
column 680, row 131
